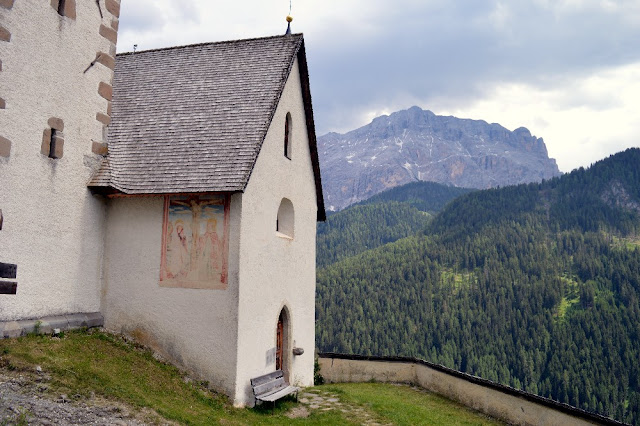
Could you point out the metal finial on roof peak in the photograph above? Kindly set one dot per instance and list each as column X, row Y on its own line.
column 289, row 19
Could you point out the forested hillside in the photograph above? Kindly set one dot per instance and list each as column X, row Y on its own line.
column 535, row 286
column 425, row 196
column 361, row 228
column 393, row 214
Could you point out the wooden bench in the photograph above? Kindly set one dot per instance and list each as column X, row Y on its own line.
column 271, row 387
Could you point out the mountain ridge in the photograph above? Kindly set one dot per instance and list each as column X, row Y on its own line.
column 386, row 217
column 418, row 145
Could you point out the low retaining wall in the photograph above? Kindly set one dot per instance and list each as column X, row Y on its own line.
column 46, row 325
column 498, row 401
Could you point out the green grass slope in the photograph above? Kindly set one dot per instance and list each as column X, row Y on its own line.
column 94, row 364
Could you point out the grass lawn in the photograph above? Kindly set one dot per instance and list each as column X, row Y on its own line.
column 84, row 365
column 405, row 405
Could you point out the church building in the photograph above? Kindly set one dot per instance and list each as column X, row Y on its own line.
column 171, row 194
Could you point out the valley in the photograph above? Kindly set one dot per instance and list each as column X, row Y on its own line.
column 536, row 286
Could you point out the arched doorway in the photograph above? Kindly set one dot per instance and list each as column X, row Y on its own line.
column 283, row 349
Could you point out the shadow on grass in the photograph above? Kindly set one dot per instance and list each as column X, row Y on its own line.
column 279, row 407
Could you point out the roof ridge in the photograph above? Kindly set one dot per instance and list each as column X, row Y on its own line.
column 210, row 43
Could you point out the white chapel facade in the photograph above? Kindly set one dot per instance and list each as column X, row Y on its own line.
column 189, row 221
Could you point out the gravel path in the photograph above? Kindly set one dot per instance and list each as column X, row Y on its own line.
column 24, row 400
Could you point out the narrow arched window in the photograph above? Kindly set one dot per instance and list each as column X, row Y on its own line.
column 284, row 220
column 287, row 136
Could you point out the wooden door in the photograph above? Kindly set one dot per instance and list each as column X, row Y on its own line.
column 279, row 339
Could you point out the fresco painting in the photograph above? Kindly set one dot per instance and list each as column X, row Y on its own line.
column 195, row 241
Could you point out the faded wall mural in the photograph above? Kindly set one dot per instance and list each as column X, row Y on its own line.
column 195, row 241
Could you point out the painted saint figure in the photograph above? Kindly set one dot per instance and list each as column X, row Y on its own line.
column 165, row 271
column 194, row 242
column 195, row 204
column 177, row 264
column 210, row 248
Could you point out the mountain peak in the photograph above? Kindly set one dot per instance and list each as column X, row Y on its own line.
column 416, row 144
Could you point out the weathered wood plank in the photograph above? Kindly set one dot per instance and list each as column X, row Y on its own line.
column 266, row 378
column 269, row 387
column 279, row 394
column 8, row 287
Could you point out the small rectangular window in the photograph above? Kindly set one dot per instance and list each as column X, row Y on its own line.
column 287, row 136
column 53, row 139
column 66, row 8
column 52, row 144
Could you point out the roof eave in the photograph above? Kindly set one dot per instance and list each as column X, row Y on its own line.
column 113, row 192
column 311, row 130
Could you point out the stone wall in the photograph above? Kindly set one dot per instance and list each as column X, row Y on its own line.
column 50, row 325
column 498, row 401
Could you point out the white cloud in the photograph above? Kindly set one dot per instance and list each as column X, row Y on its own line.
column 500, row 15
column 197, row 21
column 581, row 123
column 178, row 23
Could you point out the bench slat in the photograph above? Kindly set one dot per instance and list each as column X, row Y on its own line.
column 279, row 394
column 266, row 378
column 270, row 387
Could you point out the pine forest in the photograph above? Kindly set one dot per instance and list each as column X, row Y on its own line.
column 535, row 286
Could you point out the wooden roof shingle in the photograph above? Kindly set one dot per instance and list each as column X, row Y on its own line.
column 193, row 118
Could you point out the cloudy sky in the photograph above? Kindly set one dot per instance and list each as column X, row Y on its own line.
column 568, row 70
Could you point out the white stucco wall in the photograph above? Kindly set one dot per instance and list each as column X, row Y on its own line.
column 276, row 271
column 194, row 328
column 53, row 226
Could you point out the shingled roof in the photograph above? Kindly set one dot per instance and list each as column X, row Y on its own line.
column 193, row 118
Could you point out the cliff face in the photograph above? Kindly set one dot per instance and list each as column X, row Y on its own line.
column 414, row 144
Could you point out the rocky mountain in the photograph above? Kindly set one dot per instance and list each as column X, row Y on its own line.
column 417, row 145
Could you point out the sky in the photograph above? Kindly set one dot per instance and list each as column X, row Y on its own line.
column 568, row 70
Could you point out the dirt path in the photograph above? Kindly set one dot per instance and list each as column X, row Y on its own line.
column 24, row 399
column 316, row 399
